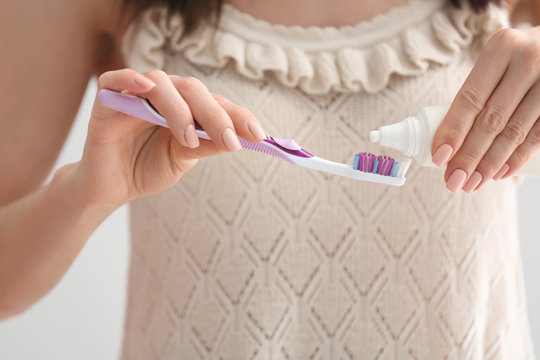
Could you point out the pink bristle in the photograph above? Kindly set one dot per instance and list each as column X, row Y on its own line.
column 366, row 162
column 390, row 164
column 384, row 166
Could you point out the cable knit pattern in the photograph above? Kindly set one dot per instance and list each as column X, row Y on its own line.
column 319, row 60
column 248, row 257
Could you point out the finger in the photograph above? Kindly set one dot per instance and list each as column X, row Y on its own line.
column 125, row 79
column 205, row 149
column 120, row 80
column 525, row 151
column 489, row 123
column 209, row 114
column 513, row 135
column 245, row 123
column 469, row 102
column 170, row 103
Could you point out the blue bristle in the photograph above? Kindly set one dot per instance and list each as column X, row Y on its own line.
column 375, row 166
column 356, row 159
column 394, row 168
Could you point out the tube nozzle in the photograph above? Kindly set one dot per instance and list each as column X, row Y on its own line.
column 375, row 136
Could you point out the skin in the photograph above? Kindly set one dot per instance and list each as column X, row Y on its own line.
column 493, row 126
column 57, row 47
column 43, row 228
column 315, row 12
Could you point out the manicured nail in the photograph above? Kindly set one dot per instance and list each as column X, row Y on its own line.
column 501, row 172
column 473, row 182
column 456, row 180
column 230, row 140
column 256, row 130
column 191, row 136
column 144, row 82
column 442, row 155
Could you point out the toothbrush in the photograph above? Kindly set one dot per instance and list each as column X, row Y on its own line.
column 366, row 167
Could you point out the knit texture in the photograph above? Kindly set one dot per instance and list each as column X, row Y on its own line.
column 248, row 257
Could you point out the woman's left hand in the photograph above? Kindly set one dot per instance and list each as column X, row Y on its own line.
column 493, row 126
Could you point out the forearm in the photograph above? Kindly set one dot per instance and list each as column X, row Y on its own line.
column 40, row 236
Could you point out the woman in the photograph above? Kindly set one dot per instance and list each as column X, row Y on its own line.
column 246, row 256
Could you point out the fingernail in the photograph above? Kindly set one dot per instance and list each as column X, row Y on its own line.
column 442, row 155
column 256, row 130
column 456, row 180
column 230, row 140
column 191, row 136
column 144, row 82
column 501, row 172
column 473, row 182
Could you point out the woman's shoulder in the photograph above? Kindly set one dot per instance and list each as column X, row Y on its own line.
column 94, row 27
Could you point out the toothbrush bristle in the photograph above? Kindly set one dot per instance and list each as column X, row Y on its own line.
column 382, row 165
column 262, row 147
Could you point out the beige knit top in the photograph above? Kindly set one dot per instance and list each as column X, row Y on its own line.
column 248, row 257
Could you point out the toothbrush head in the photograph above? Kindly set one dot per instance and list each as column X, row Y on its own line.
column 381, row 165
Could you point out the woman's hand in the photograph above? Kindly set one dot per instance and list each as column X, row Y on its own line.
column 125, row 157
column 493, row 128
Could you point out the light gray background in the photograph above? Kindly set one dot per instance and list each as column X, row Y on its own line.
column 82, row 317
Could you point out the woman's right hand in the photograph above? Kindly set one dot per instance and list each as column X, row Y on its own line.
column 125, row 157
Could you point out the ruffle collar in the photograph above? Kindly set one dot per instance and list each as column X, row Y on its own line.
column 406, row 41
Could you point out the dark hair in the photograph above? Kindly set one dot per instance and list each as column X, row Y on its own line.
column 477, row 5
column 195, row 11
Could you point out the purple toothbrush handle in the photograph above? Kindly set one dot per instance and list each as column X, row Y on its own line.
column 143, row 109
column 131, row 105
